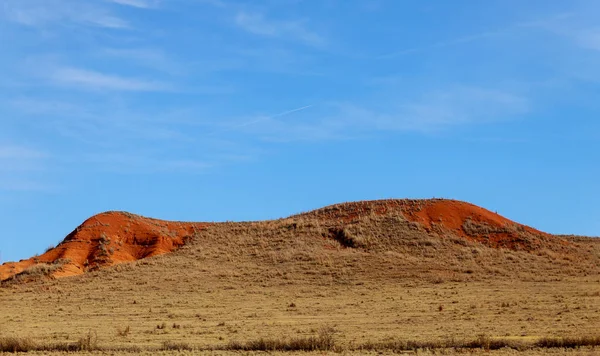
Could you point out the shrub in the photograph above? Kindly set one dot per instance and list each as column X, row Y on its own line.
column 88, row 343
column 324, row 341
column 14, row 344
column 176, row 346
column 568, row 342
column 123, row 332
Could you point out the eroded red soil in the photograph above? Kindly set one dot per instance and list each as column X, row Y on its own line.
column 107, row 239
column 445, row 217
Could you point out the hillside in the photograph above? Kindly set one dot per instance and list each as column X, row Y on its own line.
column 378, row 275
column 456, row 235
column 104, row 240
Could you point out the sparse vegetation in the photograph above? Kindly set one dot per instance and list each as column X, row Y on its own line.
column 324, row 341
column 123, row 332
column 176, row 346
column 387, row 285
column 568, row 342
column 16, row 344
column 37, row 271
column 89, row 342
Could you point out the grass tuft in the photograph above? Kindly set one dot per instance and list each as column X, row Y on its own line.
column 176, row 346
column 324, row 341
column 15, row 344
column 568, row 342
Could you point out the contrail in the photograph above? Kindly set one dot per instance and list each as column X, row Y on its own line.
column 248, row 123
column 272, row 116
column 291, row 111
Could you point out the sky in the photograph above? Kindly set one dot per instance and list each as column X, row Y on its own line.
column 219, row 110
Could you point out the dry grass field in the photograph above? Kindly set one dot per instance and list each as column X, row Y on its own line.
column 372, row 283
column 585, row 351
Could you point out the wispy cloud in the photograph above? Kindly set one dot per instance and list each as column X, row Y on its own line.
column 15, row 152
column 215, row 3
column 117, row 137
column 18, row 167
column 40, row 13
column 448, row 43
column 152, row 58
column 433, row 111
column 142, row 4
column 458, row 106
column 144, row 162
column 579, row 40
column 589, row 39
column 265, row 118
column 24, row 185
column 483, row 35
column 257, row 24
column 100, row 81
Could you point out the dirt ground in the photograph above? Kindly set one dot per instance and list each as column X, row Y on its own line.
column 205, row 311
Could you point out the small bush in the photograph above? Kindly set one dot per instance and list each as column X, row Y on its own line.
column 42, row 269
column 14, row 344
column 568, row 342
column 346, row 237
column 88, row 342
column 34, row 272
column 481, row 342
column 324, row 341
column 176, row 346
column 123, row 332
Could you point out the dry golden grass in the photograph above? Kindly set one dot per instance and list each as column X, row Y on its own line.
column 285, row 280
column 539, row 352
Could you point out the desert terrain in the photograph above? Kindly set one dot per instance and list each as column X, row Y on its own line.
column 376, row 277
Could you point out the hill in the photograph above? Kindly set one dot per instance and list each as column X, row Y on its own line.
column 378, row 275
column 434, row 228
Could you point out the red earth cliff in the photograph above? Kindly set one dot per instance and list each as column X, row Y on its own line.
column 444, row 217
column 107, row 239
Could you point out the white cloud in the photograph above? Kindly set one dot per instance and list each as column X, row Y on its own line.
column 144, row 162
column 458, row 106
column 17, row 166
column 41, row 13
column 217, row 3
column 96, row 80
column 449, row 43
column 431, row 112
column 581, row 47
column 480, row 36
column 257, row 24
column 147, row 57
column 16, row 152
column 24, row 185
column 108, row 21
column 142, row 4
column 589, row 39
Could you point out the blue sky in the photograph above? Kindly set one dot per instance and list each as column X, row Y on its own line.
column 213, row 110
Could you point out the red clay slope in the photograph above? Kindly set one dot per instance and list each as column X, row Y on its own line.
column 444, row 217
column 107, row 239
column 115, row 237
